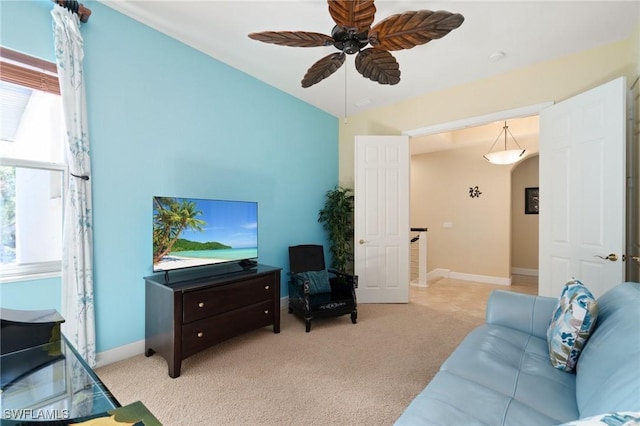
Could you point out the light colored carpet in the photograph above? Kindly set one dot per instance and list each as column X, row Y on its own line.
column 339, row 373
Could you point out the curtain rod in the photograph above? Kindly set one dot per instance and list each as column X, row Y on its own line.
column 77, row 8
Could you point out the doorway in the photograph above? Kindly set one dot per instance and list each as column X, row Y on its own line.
column 474, row 211
column 584, row 144
column 525, row 230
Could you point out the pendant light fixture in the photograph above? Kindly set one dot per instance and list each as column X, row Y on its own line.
column 505, row 156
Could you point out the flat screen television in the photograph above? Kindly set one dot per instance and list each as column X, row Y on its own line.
column 190, row 232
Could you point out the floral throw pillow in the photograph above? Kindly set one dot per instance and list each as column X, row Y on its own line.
column 571, row 324
column 626, row 418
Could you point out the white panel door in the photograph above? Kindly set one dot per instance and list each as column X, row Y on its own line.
column 582, row 190
column 382, row 218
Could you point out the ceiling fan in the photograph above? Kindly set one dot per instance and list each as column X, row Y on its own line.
column 353, row 32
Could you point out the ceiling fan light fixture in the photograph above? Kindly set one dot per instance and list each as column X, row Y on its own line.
column 348, row 41
column 505, row 156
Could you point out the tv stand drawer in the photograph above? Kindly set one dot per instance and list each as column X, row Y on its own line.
column 199, row 335
column 190, row 315
column 217, row 299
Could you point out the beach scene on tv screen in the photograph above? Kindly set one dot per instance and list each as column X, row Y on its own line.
column 191, row 232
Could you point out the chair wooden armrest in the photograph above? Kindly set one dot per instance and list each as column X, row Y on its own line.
column 343, row 277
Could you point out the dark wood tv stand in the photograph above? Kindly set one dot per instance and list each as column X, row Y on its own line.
column 191, row 313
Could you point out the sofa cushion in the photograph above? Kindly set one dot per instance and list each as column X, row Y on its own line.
column 495, row 377
column 318, row 281
column 450, row 399
column 607, row 374
column 516, row 365
column 523, row 312
column 571, row 324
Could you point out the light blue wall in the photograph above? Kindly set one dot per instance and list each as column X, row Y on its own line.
column 42, row 294
column 165, row 119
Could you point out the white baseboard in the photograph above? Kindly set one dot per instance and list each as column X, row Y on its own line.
column 438, row 273
column 525, row 271
column 486, row 279
column 118, row 354
column 416, row 283
column 136, row 348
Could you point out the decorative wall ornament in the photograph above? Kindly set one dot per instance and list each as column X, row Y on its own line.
column 474, row 192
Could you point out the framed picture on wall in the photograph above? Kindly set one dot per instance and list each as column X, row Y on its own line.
column 531, row 200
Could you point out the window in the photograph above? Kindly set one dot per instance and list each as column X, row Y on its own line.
column 31, row 168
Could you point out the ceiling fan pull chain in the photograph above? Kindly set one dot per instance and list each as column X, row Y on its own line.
column 345, row 95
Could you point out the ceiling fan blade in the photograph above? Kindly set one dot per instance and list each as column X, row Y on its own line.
column 378, row 65
column 410, row 29
column 323, row 69
column 293, row 38
column 353, row 14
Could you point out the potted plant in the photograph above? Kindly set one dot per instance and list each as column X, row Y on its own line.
column 337, row 219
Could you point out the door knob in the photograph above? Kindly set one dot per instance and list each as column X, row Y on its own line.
column 612, row 257
column 636, row 259
column 362, row 241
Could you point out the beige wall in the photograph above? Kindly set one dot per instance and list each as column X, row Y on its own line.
column 524, row 227
column 488, row 244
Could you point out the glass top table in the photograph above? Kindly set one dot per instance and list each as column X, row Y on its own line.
column 50, row 382
column 42, row 376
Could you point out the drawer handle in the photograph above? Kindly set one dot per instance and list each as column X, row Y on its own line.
column 201, row 305
column 200, row 334
column 266, row 287
column 266, row 311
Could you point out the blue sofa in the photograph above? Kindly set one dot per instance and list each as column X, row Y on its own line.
column 501, row 373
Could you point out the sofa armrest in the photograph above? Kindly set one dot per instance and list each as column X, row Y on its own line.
column 524, row 312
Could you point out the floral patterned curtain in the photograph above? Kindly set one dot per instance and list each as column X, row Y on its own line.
column 77, row 252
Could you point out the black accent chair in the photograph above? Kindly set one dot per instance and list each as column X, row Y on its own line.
column 315, row 292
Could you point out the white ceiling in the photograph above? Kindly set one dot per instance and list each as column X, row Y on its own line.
column 527, row 32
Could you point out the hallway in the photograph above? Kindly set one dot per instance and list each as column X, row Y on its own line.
column 466, row 296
